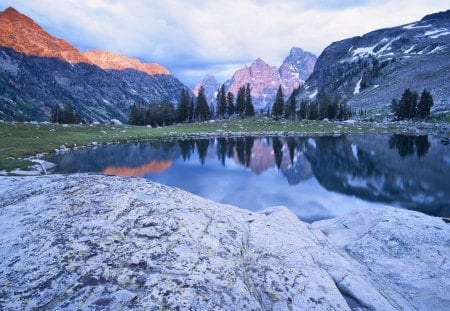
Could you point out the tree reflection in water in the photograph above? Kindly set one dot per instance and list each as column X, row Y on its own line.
column 407, row 144
column 400, row 170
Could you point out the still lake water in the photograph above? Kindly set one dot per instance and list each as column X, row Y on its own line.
column 316, row 177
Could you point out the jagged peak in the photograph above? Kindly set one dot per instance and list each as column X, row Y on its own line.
column 296, row 49
column 209, row 77
column 259, row 62
column 11, row 10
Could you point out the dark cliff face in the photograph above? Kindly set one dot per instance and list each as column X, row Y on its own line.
column 31, row 85
column 370, row 70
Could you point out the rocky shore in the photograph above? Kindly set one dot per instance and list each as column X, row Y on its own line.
column 100, row 242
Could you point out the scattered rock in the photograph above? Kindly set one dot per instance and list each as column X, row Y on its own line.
column 116, row 122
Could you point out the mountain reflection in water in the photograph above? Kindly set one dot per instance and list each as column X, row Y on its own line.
column 151, row 167
column 326, row 176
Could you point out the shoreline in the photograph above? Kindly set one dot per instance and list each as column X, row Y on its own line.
column 15, row 153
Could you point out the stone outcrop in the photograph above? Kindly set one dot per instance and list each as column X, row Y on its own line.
column 92, row 242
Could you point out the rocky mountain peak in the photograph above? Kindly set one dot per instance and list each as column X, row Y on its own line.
column 259, row 62
column 109, row 60
column 263, row 79
column 296, row 68
column 23, row 35
column 210, row 85
column 12, row 11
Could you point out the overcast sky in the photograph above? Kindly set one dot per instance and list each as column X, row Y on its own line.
column 193, row 38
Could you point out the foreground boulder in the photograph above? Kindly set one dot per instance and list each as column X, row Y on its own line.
column 95, row 242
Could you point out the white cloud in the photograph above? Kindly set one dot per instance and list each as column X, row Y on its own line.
column 193, row 37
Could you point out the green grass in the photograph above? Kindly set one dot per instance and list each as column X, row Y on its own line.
column 19, row 140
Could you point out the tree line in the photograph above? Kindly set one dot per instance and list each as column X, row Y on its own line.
column 410, row 106
column 64, row 116
column 192, row 109
column 320, row 108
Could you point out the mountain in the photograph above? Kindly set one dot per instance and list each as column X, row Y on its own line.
column 265, row 79
column 38, row 71
column 108, row 60
column 370, row 70
column 296, row 68
column 23, row 35
column 210, row 85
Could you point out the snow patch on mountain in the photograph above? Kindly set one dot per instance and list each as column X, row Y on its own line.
column 357, row 87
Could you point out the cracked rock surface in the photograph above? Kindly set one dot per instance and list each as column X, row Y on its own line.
column 99, row 242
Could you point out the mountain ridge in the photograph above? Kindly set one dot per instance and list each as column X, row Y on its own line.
column 264, row 79
column 368, row 71
column 22, row 34
column 38, row 71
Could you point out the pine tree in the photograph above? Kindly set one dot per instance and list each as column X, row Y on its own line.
column 221, row 102
column 192, row 111
column 133, row 115
column 406, row 108
column 278, row 105
column 230, row 103
column 167, row 113
column 249, row 108
column 313, row 111
column 202, row 108
column 408, row 104
column 303, row 112
column 425, row 104
column 56, row 114
column 240, row 101
column 291, row 105
column 183, row 106
column 333, row 109
column 67, row 116
column 324, row 109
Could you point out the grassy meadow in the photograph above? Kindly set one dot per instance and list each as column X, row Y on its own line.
column 20, row 140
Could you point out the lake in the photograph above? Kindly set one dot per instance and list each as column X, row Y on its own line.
column 315, row 177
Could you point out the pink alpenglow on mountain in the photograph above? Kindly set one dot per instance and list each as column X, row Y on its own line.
column 109, row 60
column 23, row 35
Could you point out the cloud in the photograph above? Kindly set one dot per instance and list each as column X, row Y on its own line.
column 192, row 38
